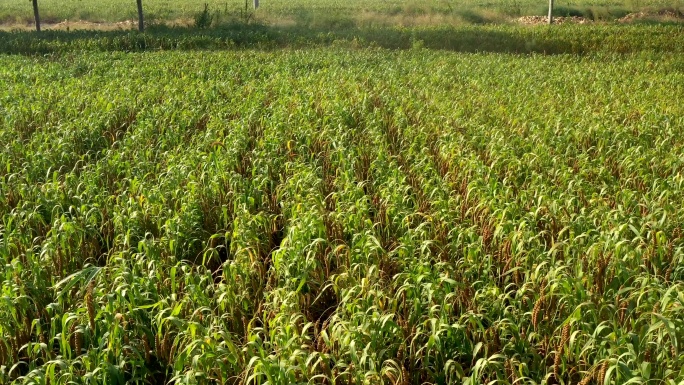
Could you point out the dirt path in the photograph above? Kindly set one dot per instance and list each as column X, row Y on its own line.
column 658, row 16
column 83, row 25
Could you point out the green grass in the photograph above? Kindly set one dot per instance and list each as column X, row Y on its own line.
column 343, row 209
column 322, row 11
column 565, row 39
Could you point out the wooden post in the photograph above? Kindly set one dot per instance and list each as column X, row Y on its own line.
column 141, row 22
column 36, row 15
column 550, row 12
column 256, row 4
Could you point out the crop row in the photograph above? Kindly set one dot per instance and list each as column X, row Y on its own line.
column 341, row 216
column 600, row 39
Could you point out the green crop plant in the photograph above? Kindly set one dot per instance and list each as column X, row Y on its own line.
column 338, row 213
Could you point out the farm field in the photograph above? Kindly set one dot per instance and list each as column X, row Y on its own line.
column 322, row 13
column 277, row 205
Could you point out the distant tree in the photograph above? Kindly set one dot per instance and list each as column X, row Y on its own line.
column 141, row 21
column 36, row 15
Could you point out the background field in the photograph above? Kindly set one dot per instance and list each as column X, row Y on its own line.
column 326, row 12
column 342, row 198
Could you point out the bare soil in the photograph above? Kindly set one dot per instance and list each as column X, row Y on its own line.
column 83, row 25
column 536, row 20
column 661, row 15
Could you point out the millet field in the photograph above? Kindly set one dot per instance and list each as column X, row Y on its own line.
column 257, row 203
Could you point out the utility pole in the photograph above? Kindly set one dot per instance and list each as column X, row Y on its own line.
column 141, row 22
column 36, row 15
column 550, row 12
